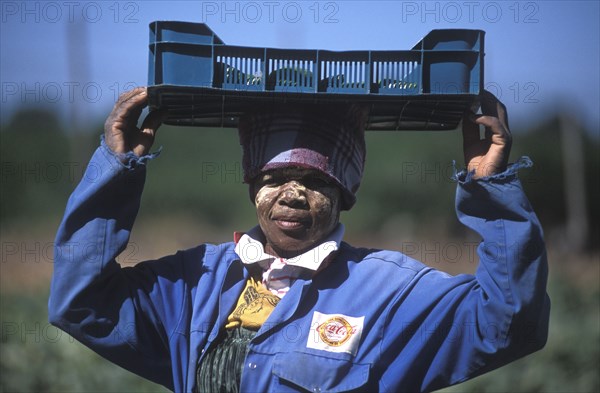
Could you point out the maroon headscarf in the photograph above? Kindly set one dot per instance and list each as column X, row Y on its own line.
column 329, row 138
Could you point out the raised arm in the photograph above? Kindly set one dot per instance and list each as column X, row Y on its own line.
column 449, row 329
column 120, row 313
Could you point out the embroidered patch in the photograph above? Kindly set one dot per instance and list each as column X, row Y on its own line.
column 335, row 332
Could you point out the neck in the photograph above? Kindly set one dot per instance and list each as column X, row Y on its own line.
column 286, row 254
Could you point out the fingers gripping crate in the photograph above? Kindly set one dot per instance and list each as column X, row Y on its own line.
column 203, row 82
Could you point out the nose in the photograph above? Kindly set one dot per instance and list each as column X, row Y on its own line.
column 292, row 195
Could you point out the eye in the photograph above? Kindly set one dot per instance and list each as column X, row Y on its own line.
column 269, row 180
column 313, row 182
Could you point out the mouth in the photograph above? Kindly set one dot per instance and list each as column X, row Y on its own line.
column 289, row 225
column 291, row 222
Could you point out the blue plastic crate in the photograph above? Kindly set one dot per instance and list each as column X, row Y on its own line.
column 203, row 82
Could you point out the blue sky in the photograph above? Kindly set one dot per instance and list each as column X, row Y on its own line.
column 75, row 57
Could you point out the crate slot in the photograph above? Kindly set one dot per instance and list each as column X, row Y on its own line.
column 343, row 76
column 396, row 77
column 291, row 71
column 239, row 68
column 240, row 73
column 343, row 72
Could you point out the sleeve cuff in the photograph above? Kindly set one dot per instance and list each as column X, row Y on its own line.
column 129, row 160
column 464, row 177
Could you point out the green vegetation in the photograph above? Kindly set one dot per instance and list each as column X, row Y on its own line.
column 37, row 357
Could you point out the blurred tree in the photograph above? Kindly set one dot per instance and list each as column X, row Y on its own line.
column 34, row 153
column 544, row 183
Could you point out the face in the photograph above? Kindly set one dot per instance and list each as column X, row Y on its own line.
column 296, row 208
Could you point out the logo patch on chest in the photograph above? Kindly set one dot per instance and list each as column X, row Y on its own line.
column 335, row 332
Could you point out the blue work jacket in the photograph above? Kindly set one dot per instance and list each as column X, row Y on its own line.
column 372, row 320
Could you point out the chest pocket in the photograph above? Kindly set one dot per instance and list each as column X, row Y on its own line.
column 320, row 374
